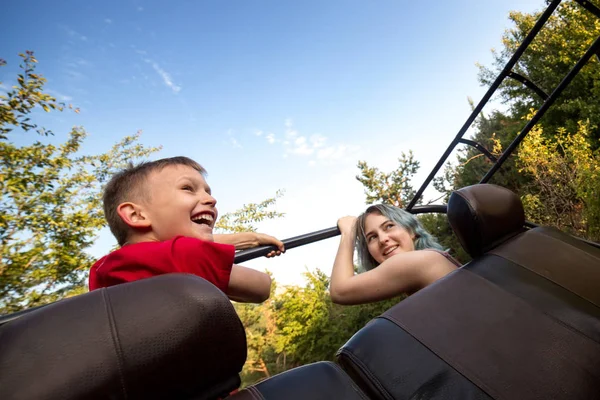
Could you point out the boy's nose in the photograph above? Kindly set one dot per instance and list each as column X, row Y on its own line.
column 208, row 199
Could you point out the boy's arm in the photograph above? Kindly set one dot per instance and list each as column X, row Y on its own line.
column 248, row 285
column 247, row 240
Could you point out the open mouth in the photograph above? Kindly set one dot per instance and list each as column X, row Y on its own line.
column 388, row 251
column 204, row 219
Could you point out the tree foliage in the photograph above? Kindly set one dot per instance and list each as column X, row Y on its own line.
column 393, row 188
column 565, row 187
column 567, row 35
column 299, row 325
column 245, row 218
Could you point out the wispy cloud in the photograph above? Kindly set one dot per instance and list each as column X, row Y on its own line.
column 73, row 33
column 314, row 147
column 164, row 75
column 231, row 140
column 108, row 21
column 234, row 142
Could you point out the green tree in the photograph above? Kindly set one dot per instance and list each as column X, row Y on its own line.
column 393, row 188
column 50, row 210
column 567, row 35
column 565, row 187
column 245, row 218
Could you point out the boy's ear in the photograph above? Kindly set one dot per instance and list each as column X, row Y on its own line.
column 133, row 215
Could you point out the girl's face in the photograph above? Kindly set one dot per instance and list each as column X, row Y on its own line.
column 385, row 238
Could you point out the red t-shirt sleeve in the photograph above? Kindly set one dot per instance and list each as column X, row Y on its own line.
column 208, row 260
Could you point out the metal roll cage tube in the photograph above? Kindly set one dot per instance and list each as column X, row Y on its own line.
column 506, row 72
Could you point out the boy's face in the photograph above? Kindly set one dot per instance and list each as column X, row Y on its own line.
column 180, row 203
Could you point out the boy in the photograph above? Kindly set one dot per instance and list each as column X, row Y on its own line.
column 162, row 213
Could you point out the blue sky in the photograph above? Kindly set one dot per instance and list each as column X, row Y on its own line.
column 266, row 95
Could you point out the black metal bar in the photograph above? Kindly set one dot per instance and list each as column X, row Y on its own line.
column 529, row 84
column 507, row 68
column 323, row 234
column 590, row 7
column 479, row 147
column 290, row 243
column 594, row 48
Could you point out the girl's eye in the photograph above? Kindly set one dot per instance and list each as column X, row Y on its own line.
column 388, row 226
column 187, row 188
column 370, row 238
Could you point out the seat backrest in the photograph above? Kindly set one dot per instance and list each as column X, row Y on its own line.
column 520, row 321
column 173, row 336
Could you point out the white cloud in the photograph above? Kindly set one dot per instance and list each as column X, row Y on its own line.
column 108, row 21
column 74, row 33
column 313, row 147
column 140, row 9
column 233, row 141
column 166, row 77
column 317, row 141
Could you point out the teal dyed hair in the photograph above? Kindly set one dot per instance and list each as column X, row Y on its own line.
column 423, row 239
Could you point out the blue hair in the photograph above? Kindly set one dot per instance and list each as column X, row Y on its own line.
column 423, row 239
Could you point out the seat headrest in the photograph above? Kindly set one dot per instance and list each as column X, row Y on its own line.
column 172, row 336
column 484, row 215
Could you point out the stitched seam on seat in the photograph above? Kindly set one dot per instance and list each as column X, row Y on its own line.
column 368, row 374
column 481, row 385
column 454, row 363
column 497, row 252
column 560, row 322
column 115, row 340
column 354, row 384
column 569, row 244
column 256, row 393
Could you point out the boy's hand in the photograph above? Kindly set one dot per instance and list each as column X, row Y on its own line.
column 266, row 240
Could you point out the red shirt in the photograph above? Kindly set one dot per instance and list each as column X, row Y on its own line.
column 208, row 260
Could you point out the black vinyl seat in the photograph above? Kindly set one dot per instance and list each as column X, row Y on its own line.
column 521, row 321
column 173, row 336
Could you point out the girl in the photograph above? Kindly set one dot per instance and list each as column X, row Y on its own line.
column 397, row 254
